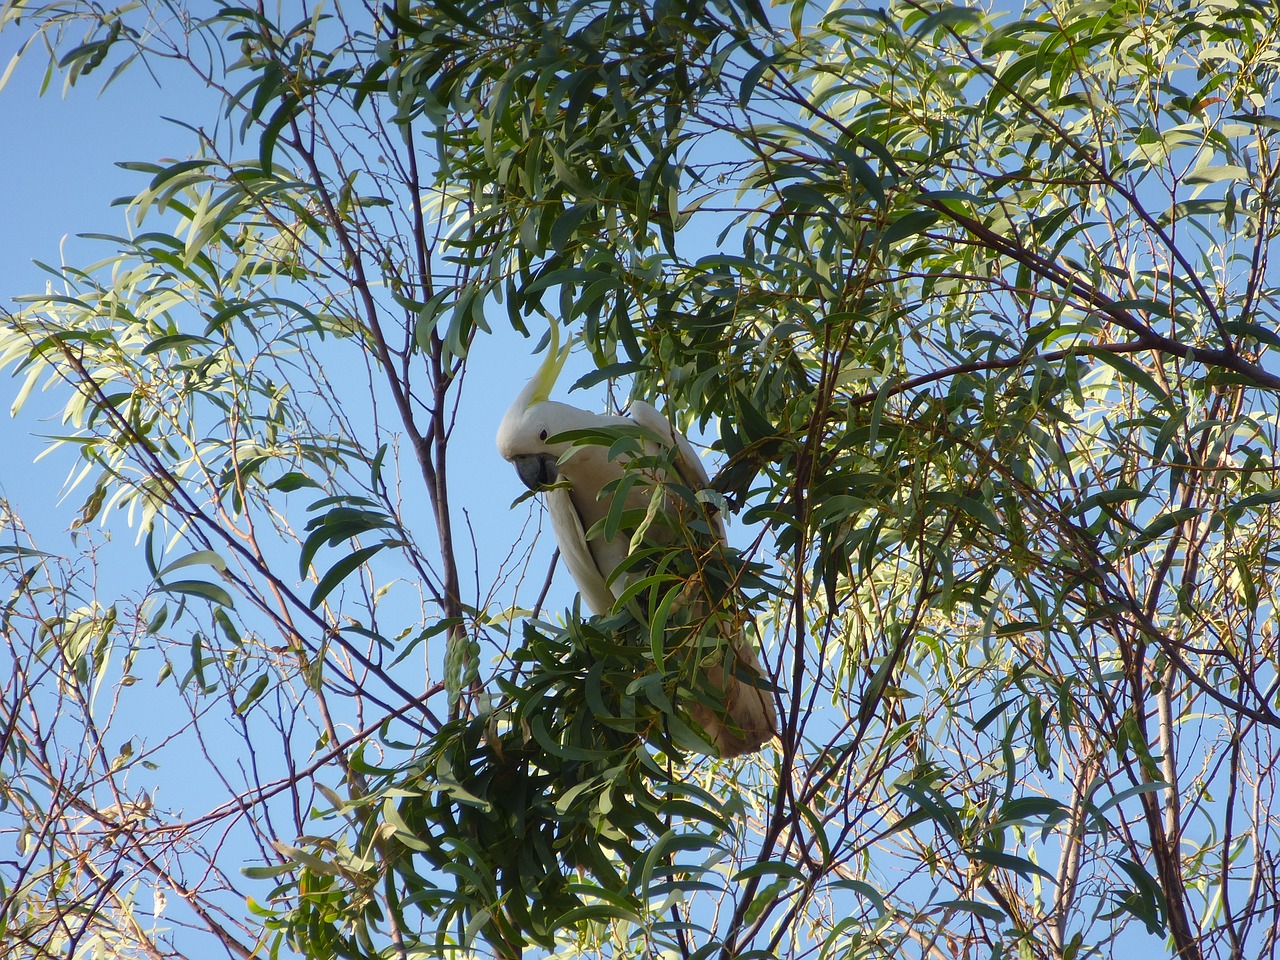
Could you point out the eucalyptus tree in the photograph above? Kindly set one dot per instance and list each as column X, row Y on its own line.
column 973, row 309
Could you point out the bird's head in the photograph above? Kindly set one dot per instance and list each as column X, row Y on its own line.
column 533, row 417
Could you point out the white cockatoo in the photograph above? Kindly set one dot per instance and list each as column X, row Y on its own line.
column 573, row 480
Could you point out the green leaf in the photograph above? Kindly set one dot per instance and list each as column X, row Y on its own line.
column 1007, row 861
column 255, row 691
column 292, row 481
column 343, row 569
column 198, row 588
column 200, row 557
column 1131, row 373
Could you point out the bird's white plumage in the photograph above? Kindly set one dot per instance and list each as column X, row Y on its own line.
column 572, row 539
column 573, row 481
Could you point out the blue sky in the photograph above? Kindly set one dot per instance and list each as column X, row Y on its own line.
column 61, row 174
column 58, row 158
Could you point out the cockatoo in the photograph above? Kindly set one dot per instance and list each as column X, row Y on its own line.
column 572, row 481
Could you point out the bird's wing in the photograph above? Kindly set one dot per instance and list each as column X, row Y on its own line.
column 688, row 464
column 745, row 716
column 572, row 539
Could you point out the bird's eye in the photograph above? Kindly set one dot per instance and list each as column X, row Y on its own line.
column 542, row 435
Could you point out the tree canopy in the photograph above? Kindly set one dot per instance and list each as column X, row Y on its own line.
column 971, row 310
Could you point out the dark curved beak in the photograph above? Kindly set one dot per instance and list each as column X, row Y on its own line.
column 536, row 470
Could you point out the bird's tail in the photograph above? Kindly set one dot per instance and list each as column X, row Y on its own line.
column 734, row 704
